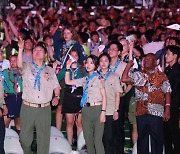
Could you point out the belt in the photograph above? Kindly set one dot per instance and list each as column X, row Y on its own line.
column 93, row 104
column 20, row 93
column 36, row 105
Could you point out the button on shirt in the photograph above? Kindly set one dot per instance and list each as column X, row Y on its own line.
column 94, row 88
column 149, row 91
column 119, row 71
column 112, row 86
column 48, row 82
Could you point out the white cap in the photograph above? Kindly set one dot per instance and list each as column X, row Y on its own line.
column 174, row 26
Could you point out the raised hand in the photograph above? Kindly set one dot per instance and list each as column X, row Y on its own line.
column 21, row 43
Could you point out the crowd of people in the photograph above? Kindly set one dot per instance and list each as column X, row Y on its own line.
column 97, row 66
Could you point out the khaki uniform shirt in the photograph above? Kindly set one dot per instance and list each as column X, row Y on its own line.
column 119, row 71
column 112, row 86
column 48, row 82
column 94, row 88
column 1, row 93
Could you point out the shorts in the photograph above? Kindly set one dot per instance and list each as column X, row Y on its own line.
column 13, row 105
column 71, row 102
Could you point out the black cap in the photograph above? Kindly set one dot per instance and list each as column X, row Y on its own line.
column 42, row 45
column 24, row 32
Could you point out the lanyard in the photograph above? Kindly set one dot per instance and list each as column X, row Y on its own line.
column 74, row 74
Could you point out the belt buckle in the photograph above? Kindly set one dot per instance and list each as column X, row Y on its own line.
column 88, row 104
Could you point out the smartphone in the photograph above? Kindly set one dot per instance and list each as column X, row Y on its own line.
column 33, row 12
column 92, row 13
column 101, row 48
column 130, row 38
column 1, row 36
column 73, row 60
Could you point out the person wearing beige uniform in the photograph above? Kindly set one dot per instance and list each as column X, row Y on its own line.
column 39, row 82
column 117, row 66
column 113, row 90
column 93, row 105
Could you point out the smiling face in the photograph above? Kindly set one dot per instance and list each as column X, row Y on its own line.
column 75, row 55
column 90, row 66
column 95, row 38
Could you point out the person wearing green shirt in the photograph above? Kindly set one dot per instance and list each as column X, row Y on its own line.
column 72, row 96
column 13, row 92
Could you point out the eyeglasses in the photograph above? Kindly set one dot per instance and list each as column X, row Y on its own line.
column 113, row 49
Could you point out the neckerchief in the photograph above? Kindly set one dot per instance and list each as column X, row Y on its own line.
column 16, row 74
column 65, row 49
column 105, row 77
column 84, row 97
column 93, row 45
column 38, row 77
column 116, row 66
column 74, row 74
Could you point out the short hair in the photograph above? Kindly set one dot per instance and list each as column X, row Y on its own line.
column 94, row 33
column 152, row 54
column 46, row 36
column 174, row 49
column 119, row 45
column 175, row 39
column 42, row 45
column 74, row 50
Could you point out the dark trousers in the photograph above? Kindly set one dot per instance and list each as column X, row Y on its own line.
column 2, row 135
column 172, row 133
column 119, row 124
column 109, row 135
column 153, row 126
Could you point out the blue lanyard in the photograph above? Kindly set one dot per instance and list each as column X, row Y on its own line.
column 84, row 97
column 37, row 77
column 116, row 66
column 74, row 72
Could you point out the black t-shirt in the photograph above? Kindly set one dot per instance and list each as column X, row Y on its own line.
column 173, row 74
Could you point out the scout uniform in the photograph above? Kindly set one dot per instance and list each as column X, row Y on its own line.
column 119, row 69
column 13, row 89
column 119, row 130
column 36, row 109
column 92, row 128
column 2, row 126
column 112, row 86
